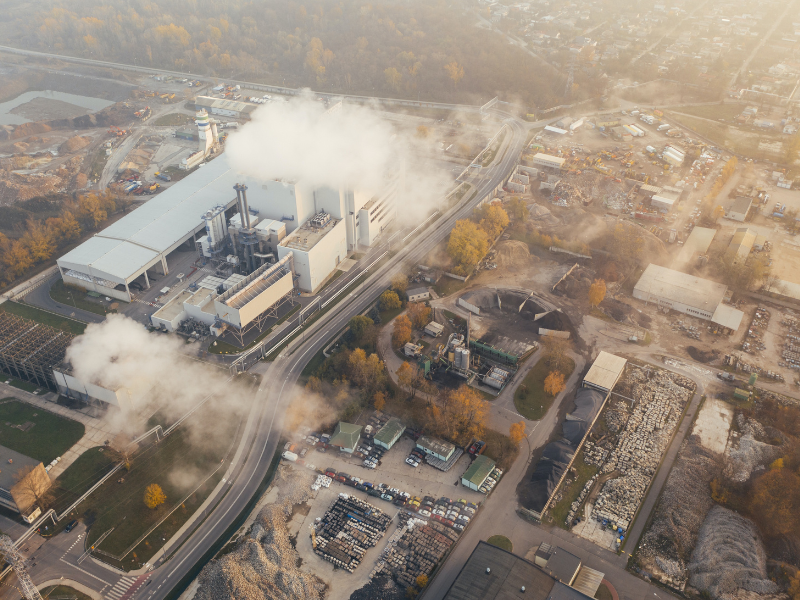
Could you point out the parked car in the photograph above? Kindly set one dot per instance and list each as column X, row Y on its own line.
column 387, row 497
column 448, row 522
column 458, row 526
column 330, row 472
column 430, row 499
column 70, row 526
column 412, row 462
column 463, row 519
column 369, row 485
column 424, row 512
column 438, row 512
column 437, row 518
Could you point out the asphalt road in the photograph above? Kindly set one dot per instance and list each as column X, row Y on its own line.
column 264, row 426
column 40, row 297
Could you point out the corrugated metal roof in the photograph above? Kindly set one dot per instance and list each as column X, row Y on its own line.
column 697, row 243
column 605, row 370
column 137, row 239
column 479, row 470
column 679, row 287
column 390, row 432
column 727, row 316
column 588, row 581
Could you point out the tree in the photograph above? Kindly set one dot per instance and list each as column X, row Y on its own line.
column 405, row 375
column 460, row 415
column 554, row 383
column 775, row 502
column 455, row 72
column 493, row 219
column 518, row 210
column 597, row 291
column 314, row 385
column 556, row 352
column 32, row 487
column 419, row 314
column 154, row 496
column 399, row 283
column 389, row 300
column 394, row 78
column 401, row 334
column 357, row 362
column 422, row 581
column 467, row 245
column 362, row 329
column 422, row 131
column 517, row 432
column 379, row 400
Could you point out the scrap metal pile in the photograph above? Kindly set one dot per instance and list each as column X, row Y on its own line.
column 417, row 552
column 349, row 528
column 791, row 347
column 754, row 340
column 660, row 398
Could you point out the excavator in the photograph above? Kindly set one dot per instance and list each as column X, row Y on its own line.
column 117, row 131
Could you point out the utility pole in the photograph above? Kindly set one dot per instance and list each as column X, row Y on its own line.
column 14, row 558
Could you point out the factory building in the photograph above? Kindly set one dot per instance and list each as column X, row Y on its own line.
column 436, row 448
column 605, row 372
column 687, row 294
column 696, row 245
column 224, row 108
column 88, row 393
column 388, row 435
column 742, row 244
column 477, row 473
column 319, row 246
column 739, row 208
column 548, row 161
column 196, row 210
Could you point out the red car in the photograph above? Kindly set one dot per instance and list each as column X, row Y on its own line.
column 437, row 518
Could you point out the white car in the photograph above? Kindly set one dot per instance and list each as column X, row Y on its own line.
column 458, row 526
column 438, row 512
column 424, row 512
column 412, row 462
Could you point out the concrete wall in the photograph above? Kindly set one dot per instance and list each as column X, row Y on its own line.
column 276, row 200
column 75, row 388
column 314, row 266
column 682, row 308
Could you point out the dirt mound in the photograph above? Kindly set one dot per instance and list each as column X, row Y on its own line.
column 26, row 129
column 74, row 144
column 576, row 285
column 542, row 214
column 264, row 565
column 729, row 556
column 513, row 254
column 702, row 356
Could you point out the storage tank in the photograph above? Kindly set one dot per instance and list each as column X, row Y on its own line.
column 639, row 132
column 465, row 359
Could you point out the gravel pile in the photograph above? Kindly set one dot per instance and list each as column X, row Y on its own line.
column 729, row 557
column 262, row 567
column 379, row 588
column 746, row 456
column 667, row 545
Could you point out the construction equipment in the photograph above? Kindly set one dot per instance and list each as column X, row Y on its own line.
column 117, row 131
column 14, row 558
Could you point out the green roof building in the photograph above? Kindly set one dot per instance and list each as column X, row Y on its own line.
column 346, row 436
column 389, row 433
column 475, row 476
column 437, row 448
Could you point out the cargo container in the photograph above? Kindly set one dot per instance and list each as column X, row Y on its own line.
column 162, row 177
column 290, row 456
column 663, row 127
column 674, row 133
column 670, row 158
column 639, row 131
column 651, row 149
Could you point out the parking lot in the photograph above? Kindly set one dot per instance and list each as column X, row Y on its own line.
column 393, row 471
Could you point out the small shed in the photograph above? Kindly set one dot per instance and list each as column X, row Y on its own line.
column 436, row 448
column 389, row 433
column 434, row 329
column 418, row 294
column 475, row 476
column 346, row 436
column 563, row 566
column 605, row 371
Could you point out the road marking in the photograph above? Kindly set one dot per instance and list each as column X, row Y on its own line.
column 85, row 572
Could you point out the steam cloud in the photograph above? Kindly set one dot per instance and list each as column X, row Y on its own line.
column 352, row 147
column 120, row 353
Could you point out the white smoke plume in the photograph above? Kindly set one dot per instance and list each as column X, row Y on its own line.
column 121, row 353
column 350, row 147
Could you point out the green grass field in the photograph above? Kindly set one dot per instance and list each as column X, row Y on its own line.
column 63, row 592
column 194, row 455
column 570, row 493
column 23, row 385
column 501, row 541
column 42, row 316
column 88, row 469
column 49, row 436
column 172, row 120
column 448, row 285
column 72, row 296
column 530, row 398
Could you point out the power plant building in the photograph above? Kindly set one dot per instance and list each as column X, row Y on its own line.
column 225, row 108
column 196, row 210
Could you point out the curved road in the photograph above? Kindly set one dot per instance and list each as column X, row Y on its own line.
column 264, row 426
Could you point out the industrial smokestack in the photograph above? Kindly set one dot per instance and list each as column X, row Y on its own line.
column 241, row 201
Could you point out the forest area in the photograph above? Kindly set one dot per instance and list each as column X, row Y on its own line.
column 431, row 51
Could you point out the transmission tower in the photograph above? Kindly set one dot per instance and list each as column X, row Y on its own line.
column 14, row 558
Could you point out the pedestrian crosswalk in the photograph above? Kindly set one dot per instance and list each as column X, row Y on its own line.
column 154, row 304
column 78, row 539
column 119, row 590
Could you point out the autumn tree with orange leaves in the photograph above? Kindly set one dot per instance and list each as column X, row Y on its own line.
column 517, row 432
column 401, row 334
column 554, row 383
column 419, row 314
column 460, row 414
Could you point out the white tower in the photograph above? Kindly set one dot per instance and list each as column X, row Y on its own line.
column 204, row 132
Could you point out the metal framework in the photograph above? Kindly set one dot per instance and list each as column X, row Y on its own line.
column 17, row 562
column 30, row 350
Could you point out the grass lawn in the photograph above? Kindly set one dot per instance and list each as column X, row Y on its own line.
column 570, row 493
column 172, row 120
column 71, row 296
column 603, row 593
column 23, row 385
column 87, row 470
column 226, row 348
column 448, row 285
column 187, row 465
column 530, row 398
column 48, row 437
column 388, row 315
column 42, row 316
column 98, row 164
column 501, row 541
column 63, row 591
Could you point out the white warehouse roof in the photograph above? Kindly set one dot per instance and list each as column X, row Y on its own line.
column 680, row 287
column 605, row 371
column 123, row 249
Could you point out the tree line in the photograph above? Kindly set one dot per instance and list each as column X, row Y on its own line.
column 41, row 239
column 427, row 50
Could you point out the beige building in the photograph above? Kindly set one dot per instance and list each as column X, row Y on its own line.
column 23, row 481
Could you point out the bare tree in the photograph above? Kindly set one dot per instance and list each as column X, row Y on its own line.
column 32, row 487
